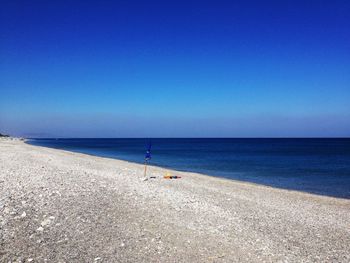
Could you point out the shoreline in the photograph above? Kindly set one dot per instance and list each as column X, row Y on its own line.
column 88, row 208
column 173, row 170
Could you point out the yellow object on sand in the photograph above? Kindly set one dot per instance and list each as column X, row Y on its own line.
column 167, row 175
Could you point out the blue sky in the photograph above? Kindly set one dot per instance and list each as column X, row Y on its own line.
column 175, row 68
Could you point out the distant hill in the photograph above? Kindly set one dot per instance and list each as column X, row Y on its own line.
column 4, row 135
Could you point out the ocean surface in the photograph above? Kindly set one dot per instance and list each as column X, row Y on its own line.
column 320, row 166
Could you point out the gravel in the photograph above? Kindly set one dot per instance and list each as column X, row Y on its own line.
column 59, row 206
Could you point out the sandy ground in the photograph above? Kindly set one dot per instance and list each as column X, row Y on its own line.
column 58, row 206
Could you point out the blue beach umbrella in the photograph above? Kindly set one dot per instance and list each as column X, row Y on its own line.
column 147, row 156
column 148, row 152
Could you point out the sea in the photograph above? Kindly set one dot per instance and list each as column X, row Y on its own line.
column 319, row 166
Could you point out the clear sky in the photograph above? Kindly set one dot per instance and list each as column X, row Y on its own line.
column 175, row 68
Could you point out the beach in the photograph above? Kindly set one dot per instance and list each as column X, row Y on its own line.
column 60, row 206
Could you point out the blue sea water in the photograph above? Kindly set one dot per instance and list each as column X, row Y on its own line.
column 320, row 166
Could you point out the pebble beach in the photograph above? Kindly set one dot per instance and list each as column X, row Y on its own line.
column 60, row 206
